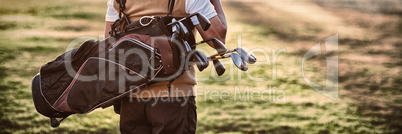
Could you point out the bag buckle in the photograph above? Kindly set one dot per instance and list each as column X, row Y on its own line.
column 146, row 20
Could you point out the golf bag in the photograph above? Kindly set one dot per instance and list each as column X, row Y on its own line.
column 100, row 73
column 95, row 75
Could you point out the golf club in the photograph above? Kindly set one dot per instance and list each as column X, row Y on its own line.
column 178, row 32
column 187, row 46
column 195, row 58
column 175, row 34
column 239, row 63
column 202, row 57
column 219, row 68
column 184, row 33
column 218, row 45
column 243, row 54
column 204, row 22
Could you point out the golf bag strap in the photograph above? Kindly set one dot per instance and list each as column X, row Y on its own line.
column 122, row 6
column 122, row 21
column 170, row 7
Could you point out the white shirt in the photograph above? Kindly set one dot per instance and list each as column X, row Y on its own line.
column 203, row 7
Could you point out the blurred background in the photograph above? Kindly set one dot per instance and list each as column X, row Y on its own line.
column 34, row 32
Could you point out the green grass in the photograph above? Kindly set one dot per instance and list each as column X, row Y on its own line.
column 33, row 33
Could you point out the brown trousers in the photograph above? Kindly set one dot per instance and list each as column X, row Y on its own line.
column 167, row 115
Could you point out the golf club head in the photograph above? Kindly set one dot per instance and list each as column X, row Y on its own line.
column 219, row 68
column 218, row 45
column 195, row 58
column 173, row 38
column 245, row 56
column 187, row 46
column 198, row 61
column 204, row 22
column 203, row 58
column 174, row 27
column 239, row 63
column 184, row 33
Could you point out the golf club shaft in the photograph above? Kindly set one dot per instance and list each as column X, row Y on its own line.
column 229, row 51
column 212, row 58
column 243, row 54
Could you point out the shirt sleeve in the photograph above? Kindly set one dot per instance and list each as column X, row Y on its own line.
column 203, row 7
column 111, row 13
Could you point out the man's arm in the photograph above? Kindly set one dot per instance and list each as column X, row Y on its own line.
column 111, row 16
column 218, row 27
column 217, row 30
column 107, row 28
column 219, row 11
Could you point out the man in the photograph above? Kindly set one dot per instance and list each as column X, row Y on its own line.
column 145, row 112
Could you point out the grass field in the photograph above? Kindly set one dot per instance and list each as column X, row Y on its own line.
column 33, row 33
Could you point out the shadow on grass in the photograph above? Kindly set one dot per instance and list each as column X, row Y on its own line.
column 397, row 55
column 39, row 49
column 48, row 39
column 390, row 7
column 6, row 124
column 74, row 15
column 356, row 43
column 10, row 25
column 387, row 109
column 72, row 28
column 6, row 54
column 58, row 12
column 6, row 100
column 7, row 25
column 285, row 32
column 270, row 117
